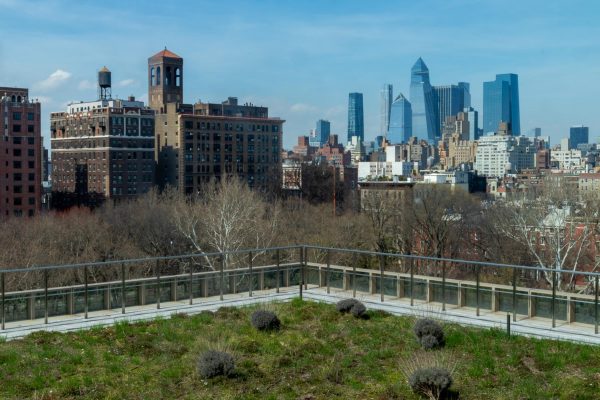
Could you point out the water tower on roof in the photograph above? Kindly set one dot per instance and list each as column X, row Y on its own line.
column 104, row 83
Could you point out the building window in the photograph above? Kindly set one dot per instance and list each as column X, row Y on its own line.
column 178, row 77
column 17, row 116
column 16, row 128
column 152, row 77
column 158, row 76
column 30, row 116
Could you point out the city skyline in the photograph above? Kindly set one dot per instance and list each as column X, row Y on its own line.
column 56, row 48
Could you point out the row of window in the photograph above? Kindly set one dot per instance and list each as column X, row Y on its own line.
column 216, row 137
column 17, row 116
column 16, row 128
column 229, row 126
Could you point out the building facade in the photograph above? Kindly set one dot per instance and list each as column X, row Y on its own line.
column 356, row 124
column 202, row 142
column 578, row 135
column 103, row 148
column 422, row 100
column 20, row 154
column 501, row 103
column 450, row 100
column 400, row 126
column 386, row 97
column 321, row 133
column 502, row 154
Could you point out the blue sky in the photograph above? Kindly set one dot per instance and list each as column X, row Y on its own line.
column 301, row 59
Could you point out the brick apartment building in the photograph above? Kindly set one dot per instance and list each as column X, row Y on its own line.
column 20, row 154
column 196, row 143
column 103, row 147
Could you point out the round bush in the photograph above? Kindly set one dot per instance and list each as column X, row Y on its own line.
column 358, row 310
column 428, row 327
column 213, row 363
column 265, row 320
column 430, row 382
column 345, row 306
column 429, row 342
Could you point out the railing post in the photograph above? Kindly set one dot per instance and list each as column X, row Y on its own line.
column 222, row 276
column 300, row 281
column 191, row 282
column 354, row 258
column 443, row 286
column 412, row 281
column 123, row 297
column 595, row 306
column 514, row 295
column 85, row 290
column 554, row 299
column 327, row 271
column 158, row 293
column 508, row 324
column 477, row 284
column 381, row 263
column 277, row 272
column 251, row 283
column 45, row 296
column 2, row 288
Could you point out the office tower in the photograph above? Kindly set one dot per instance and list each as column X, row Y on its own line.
column 103, row 147
column 535, row 132
column 424, row 119
column 201, row 142
column 400, row 121
column 321, row 133
column 450, row 100
column 501, row 103
column 356, row 125
column 387, row 95
column 578, row 135
column 20, row 154
column 473, row 117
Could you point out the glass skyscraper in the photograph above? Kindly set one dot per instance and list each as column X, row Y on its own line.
column 400, row 121
column 473, row 117
column 578, row 135
column 424, row 118
column 321, row 133
column 450, row 100
column 387, row 95
column 356, row 125
column 501, row 103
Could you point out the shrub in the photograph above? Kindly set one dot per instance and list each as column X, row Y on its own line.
column 265, row 320
column 213, row 363
column 430, row 342
column 345, row 306
column 431, row 330
column 431, row 382
column 358, row 310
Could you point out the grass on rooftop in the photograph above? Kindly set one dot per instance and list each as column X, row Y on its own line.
column 318, row 354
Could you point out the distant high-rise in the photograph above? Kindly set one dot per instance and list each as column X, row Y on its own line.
column 400, row 129
column 424, row 119
column 578, row 135
column 356, row 125
column 473, row 116
column 387, row 95
column 321, row 133
column 501, row 103
column 535, row 132
column 450, row 100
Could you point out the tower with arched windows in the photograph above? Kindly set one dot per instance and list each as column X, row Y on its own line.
column 165, row 80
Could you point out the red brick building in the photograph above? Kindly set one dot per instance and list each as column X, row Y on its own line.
column 20, row 154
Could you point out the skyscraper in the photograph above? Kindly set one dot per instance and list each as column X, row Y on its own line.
column 424, row 118
column 356, row 125
column 387, row 94
column 578, row 135
column 473, row 116
column 400, row 121
column 501, row 103
column 321, row 133
column 450, row 100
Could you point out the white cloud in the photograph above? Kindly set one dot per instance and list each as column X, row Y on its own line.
column 302, row 108
column 55, row 79
column 86, row 85
column 126, row 82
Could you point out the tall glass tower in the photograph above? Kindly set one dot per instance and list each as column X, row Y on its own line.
column 501, row 103
column 424, row 118
column 400, row 121
column 322, row 132
column 449, row 100
column 387, row 95
column 578, row 135
column 356, row 125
